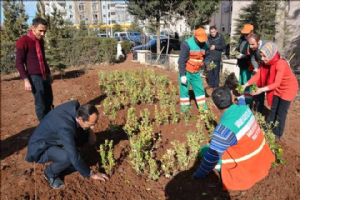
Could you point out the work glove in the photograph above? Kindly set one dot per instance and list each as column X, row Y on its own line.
column 183, row 80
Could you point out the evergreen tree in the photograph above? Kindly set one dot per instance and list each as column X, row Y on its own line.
column 54, row 35
column 15, row 20
column 198, row 12
column 83, row 30
column 134, row 27
column 154, row 11
column 41, row 12
column 262, row 14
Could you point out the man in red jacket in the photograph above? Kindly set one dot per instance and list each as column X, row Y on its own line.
column 33, row 68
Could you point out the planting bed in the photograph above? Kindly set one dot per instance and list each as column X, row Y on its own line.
column 22, row 180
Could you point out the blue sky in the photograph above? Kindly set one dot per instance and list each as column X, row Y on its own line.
column 30, row 7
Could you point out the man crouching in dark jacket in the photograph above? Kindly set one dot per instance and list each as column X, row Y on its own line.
column 56, row 139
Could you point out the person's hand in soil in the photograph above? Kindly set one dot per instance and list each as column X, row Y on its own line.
column 99, row 176
column 28, row 86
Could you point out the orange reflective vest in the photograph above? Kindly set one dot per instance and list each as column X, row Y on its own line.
column 196, row 56
column 249, row 161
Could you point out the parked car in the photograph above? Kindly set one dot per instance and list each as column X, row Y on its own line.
column 151, row 45
column 134, row 37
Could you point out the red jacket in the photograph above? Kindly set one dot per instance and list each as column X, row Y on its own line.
column 27, row 62
column 280, row 79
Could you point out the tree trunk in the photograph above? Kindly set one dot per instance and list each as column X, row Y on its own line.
column 157, row 27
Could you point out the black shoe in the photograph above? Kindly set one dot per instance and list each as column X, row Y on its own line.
column 55, row 183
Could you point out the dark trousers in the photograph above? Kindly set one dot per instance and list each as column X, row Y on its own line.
column 43, row 95
column 59, row 158
column 259, row 103
column 279, row 109
column 213, row 75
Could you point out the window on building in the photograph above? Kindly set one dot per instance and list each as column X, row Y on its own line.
column 94, row 16
column 70, row 16
column 94, row 6
column 70, row 7
column 223, row 29
column 81, row 7
column 104, row 16
column 113, row 13
column 103, row 7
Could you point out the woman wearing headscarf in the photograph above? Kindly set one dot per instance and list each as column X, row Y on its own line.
column 275, row 77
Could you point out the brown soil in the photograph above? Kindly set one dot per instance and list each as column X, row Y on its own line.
column 23, row 180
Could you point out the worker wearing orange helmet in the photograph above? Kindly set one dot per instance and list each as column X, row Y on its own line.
column 191, row 60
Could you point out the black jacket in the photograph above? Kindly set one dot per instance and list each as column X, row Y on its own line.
column 59, row 128
column 218, row 41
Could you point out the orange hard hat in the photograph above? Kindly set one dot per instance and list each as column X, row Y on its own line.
column 247, row 28
column 200, row 35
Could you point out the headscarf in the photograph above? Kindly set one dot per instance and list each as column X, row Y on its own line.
column 268, row 71
column 269, row 49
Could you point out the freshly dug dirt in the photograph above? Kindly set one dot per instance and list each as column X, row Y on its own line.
column 23, row 180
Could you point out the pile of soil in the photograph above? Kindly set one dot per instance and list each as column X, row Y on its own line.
column 23, row 180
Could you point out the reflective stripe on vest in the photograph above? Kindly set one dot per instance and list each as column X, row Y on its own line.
column 243, row 158
column 196, row 54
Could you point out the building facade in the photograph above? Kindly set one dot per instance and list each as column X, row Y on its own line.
column 222, row 17
column 91, row 12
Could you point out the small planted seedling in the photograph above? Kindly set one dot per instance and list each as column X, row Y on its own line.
column 168, row 163
column 208, row 118
column 211, row 66
column 131, row 125
column 240, row 89
column 181, row 154
column 253, row 88
column 106, row 154
column 271, row 138
column 153, row 166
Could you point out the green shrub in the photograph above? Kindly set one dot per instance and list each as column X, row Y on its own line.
column 271, row 138
column 126, row 46
column 106, row 155
column 7, row 58
column 87, row 50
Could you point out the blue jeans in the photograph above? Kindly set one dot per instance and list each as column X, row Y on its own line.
column 60, row 161
column 43, row 95
column 213, row 75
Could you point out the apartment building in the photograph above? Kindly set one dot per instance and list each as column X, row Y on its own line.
column 92, row 12
column 222, row 17
column 87, row 11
